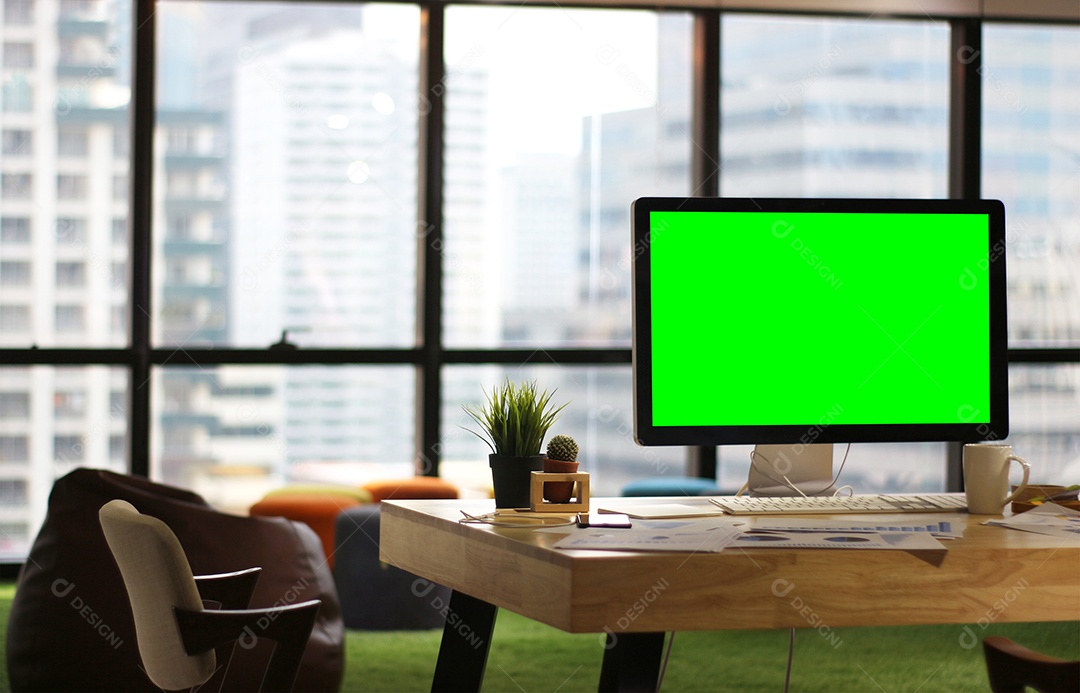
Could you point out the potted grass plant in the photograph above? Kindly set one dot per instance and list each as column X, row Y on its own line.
column 513, row 422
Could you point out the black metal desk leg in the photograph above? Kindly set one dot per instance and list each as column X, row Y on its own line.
column 631, row 662
column 466, row 639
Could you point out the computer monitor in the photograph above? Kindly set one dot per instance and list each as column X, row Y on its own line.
column 800, row 321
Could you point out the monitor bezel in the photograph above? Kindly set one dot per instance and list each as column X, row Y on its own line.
column 645, row 433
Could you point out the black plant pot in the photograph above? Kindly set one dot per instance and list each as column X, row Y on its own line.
column 511, row 476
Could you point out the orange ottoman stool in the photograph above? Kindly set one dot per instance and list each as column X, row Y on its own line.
column 315, row 506
column 411, row 489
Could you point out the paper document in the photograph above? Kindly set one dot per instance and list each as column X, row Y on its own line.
column 1049, row 518
column 656, row 511
column 903, row 541
column 942, row 530
column 655, row 535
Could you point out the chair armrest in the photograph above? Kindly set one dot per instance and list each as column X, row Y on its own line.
column 1012, row 668
column 289, row 626
column 1019, row 651
column 229, row 590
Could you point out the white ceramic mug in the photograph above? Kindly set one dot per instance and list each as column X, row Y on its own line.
column 986, row 477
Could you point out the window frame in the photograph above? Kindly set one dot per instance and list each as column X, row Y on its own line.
column 429, row 356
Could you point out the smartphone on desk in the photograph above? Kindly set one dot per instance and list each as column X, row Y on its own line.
column 612, row 520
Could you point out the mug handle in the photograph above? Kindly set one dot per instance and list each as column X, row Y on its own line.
column 1023, row 483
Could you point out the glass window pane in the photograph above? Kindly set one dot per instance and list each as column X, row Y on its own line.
column 543, row 160
column 14, row 231
column 1044, row 410
column 13, row 493
column 14, row 405
column 870, row 468
column 73, row 142
column 14, row 448
column 598, row 416
column 892, row 467
column 14, row 320
column 53, row 420
column 17, row 143
column 18, row 94
column 19, row 12
column 18, row 54
column 288, row 174
column 59, row 121
column 70, row 319
column 838, row 108
column 70, row 274
column 70, row 231
column 834, row 107
column 15, row 273
column 72, row 187
column 16, row 186
column 233, row 432
column 1031, row 145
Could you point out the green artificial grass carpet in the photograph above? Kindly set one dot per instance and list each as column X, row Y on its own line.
column 529, row 656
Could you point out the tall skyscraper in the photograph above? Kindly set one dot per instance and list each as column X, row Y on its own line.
column 64, row 242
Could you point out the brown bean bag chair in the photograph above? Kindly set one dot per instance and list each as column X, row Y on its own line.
column 71, row 629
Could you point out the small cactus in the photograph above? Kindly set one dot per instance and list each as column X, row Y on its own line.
column 562, row 448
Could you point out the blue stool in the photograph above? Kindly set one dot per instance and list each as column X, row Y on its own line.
column 672, row 486
column 374, row 595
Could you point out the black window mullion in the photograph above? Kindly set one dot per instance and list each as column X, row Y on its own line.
column 965, row 109
column 705, row 158
column 965, row 156
column 143, row 60
column 1045, row 355
column 705, row 118
column 429, row 233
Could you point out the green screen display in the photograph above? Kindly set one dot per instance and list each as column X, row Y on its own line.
column 812, row 318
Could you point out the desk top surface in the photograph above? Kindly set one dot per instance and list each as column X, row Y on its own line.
column 991, row 574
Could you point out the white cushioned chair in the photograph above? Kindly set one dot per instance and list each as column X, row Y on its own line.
column 175, row 633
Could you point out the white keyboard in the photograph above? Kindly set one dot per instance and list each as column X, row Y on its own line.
column 870, row 503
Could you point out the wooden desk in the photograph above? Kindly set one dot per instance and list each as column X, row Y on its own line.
column 991, row 575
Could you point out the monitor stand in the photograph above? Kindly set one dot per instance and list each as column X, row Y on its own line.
column 778, row 470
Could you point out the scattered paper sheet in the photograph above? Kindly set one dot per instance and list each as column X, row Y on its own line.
column 712, row 535
column 651, row 535
column 657, row 511
column 903, row 541
column 943, row 529
column 1049, row 518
